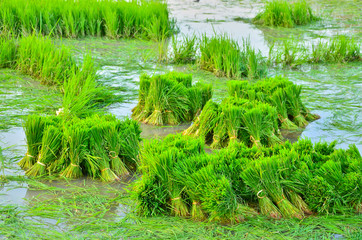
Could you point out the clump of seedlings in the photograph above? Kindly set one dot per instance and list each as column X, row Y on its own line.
column 253, row 114
column 340, row 49
column 281, row 13
column 225, row 57
column 170, row 99
column 61, row 18
column 99, row 146
column 284, row 181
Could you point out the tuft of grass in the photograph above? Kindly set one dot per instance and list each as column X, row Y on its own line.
column 184, row 51
column 61, row 18
column 340, row 49
column 281, row 13
column 224, row 57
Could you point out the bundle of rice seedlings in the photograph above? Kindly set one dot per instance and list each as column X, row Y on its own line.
column 238, row 88
column 166, row 102
column 206, row 122
column 294, row 105
column 138, row 112
column 278, row 100
column 233, row 116
column 298, row 202
column 34, row 128
column 220, row 132
column 271, row 182
column 49, row 152
column 113, row 145
column 258, row 124
column 98, row 151
column 178, row 205
column 77, row 138
column 251, row 177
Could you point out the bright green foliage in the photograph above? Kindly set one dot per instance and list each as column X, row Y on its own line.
column 61, row 18
column 97, row 146
column 8, row 51
column 224, row 57
column 252, row 114
column 287, row 180
column 170, row 99
column 339, row 49
column 185, row 50
column 281, row 13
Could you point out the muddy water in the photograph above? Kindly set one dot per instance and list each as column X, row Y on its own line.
column 332, row 91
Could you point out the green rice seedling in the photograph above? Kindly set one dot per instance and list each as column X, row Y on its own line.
column 129, row 134
column 271, row 183
column 298, row 202
column 281, row 13
column 319, row 195
column 114, row 19
column 224, row 57
column 49, row 152
column 98, row 151
column 34, row 128
column 339, row 49
column 8, row 52
column 259, row 122
column 184, row 51
column 251, row 177
column 294, row 105
column 206, row 122
column 350, row 188
column 77, row 138
column 233, row 115
column 39, row 57
column 178, row 205
column 113, row 145
column 138, row 112
column 170, row 99
column 278, row 100
column 217, row 197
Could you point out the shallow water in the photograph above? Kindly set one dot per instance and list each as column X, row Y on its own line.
column 332, row 91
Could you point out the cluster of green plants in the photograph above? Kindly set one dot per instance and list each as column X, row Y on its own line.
column 287, row 180
column 99, row 146
column 38, row 57
column 219, row 54
column 340, row 49
column 170, row 99
column 61, row 18
column 225, row 57
column 282, row 13
column 253, row 113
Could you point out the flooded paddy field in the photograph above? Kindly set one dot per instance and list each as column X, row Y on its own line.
column 90, row 209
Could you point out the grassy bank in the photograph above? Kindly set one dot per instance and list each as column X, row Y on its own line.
column 60, row 18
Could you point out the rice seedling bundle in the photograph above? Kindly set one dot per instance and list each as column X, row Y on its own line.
column 96, row 146
column 281, row 13
column 170, row 99
column 61, row 18
column 50, row 148
column 281, row 94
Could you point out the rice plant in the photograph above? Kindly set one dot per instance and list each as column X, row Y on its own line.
column 339, row 49
column 61, row 18
column 184, row 50
column 224, row 57
column 8, row 52
column 170, row 99
column 281, row 13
